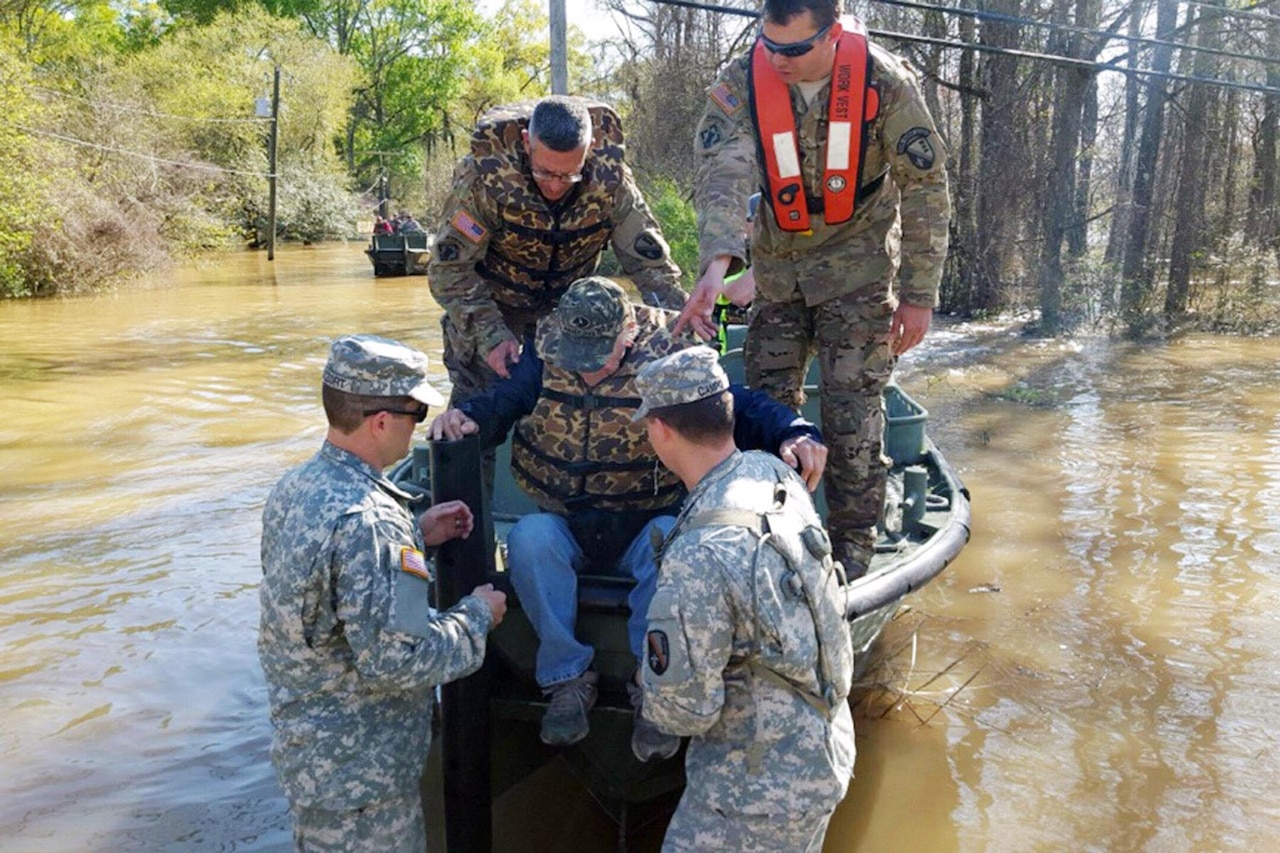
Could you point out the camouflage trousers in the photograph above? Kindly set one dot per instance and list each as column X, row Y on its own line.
column 695, row 828
column 849, row 335
column 385, row 826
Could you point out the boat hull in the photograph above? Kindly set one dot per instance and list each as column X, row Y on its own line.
column 399, row 254
column 491, row 720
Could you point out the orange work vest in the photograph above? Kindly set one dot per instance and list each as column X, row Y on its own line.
column 854, row 104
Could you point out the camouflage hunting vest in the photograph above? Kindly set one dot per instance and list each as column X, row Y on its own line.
column 542, row 247
column 580, row 446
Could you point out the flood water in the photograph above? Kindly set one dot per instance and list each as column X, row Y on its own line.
column 1095, row 672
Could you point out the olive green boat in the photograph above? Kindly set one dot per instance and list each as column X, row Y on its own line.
column 490, row 721
column 400, row 254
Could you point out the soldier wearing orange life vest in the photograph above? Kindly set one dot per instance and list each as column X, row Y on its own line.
column 848, row 247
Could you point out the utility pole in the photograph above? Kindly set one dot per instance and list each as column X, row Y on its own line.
column 559, row 50
column 271, row 167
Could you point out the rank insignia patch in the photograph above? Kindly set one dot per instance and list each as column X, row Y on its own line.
column 659, row 655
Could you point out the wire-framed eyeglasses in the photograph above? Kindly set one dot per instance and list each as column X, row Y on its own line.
column 563, row 177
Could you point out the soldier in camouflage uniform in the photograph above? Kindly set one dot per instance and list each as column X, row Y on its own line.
column 858, row 293
column 542, row 192
column 348, row 641
column 733, row 656
column 579, row 455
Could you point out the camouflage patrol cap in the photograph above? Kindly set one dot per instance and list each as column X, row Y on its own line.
column 586, row 324
column 378, row 367
column 683, row 377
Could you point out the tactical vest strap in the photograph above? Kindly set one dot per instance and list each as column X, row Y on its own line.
column 673, row 490
column 756, row 522
column 865, row 192
column 580, row 469
column 591, row 402
column 490, row 274
column 558, row 236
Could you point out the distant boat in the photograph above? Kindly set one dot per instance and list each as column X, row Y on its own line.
column 400, row 254
column 491, row 720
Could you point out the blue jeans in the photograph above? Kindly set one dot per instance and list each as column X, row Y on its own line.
column 544, row 560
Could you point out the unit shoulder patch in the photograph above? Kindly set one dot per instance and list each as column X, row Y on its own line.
column 919, row 150
column 647, row 246
column 448, row 250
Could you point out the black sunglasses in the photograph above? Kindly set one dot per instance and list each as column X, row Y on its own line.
column 419, row 415
column 793, row 49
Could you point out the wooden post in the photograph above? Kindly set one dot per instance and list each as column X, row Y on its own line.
column 271, row 167
column 559, row 50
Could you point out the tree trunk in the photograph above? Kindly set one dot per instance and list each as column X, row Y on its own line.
column 1078, row 232
column 1070, row 89
column 1137, row 275
column 1263, row 227
column 1189, row 239
column 959, row 294
column 1124, row 173
column 1001, row 158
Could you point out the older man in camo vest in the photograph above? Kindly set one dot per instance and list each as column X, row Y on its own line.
column 349, row 642
column 578, row 454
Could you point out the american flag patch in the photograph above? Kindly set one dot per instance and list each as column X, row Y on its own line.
column 468, row 227
column 413, row 562
column 728, row 101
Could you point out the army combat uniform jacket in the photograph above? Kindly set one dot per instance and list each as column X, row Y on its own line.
column 899, row 226
column 758, row 747
column 504, row 254
column 349, row 644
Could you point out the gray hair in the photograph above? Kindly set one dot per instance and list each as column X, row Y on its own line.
column 561, row 123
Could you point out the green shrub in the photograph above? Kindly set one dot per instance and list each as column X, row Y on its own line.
column 674, row 211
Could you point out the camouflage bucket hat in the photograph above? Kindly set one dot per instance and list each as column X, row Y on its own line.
column 378, row 367
column 586, row 323
column 683, row 377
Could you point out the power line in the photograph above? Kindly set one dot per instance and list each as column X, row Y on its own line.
column 1078, row 63
column 131, row 109
column 1072, row 28
column 1022, row 54
column 1269, row 16
column 186, row 164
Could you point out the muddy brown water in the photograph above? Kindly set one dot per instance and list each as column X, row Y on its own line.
column 1095, row 672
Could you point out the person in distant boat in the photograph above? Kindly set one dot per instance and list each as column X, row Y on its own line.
column 590, row 469
column 381, row 226
column 349, row 643
column 848, row 248
column 748, row 648
column 409, row 225
column 542, row 192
